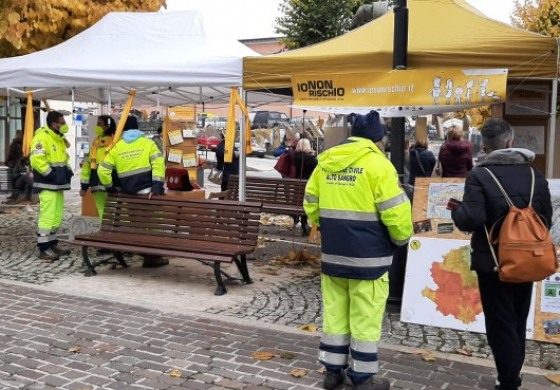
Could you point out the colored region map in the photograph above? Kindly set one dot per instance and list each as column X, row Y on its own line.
column 457, row 286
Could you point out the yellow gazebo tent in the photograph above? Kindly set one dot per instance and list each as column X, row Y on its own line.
column 448, row 34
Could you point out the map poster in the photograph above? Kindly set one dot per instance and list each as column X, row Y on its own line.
column 438, row 196
column 440, row 289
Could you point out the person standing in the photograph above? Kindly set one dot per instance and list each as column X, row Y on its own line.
column 51, row 177
column 227, row 169
column 140, row 169
column 105, row 130
column 305, row 162
column 422, row 161
column 505, row 305
column 455, row 155
column 355, row 198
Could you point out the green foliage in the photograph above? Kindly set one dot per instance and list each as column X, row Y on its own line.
column 540, row 16
column 305, row 22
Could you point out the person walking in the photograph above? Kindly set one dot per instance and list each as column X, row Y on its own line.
column 51, row 177
column 105, row 130
column 355, row 198
column 505, row 305
column 305, row 162
column 140, row 169
column 455, row 155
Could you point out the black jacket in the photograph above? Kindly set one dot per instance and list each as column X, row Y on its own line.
column 484, row 203
column 427, row 159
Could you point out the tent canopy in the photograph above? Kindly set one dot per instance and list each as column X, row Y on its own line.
column 166, row 57
column 447, row 34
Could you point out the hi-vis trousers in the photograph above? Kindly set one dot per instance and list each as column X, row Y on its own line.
column 352, row 318
column 100, row 198
column 51, row 207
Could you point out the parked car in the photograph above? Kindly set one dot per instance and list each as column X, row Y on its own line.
column 207, row 142
column 268, row 119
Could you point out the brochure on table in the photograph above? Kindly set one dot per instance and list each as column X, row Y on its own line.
column 440, row 289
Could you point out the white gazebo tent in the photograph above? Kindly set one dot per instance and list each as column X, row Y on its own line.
column 165, row 57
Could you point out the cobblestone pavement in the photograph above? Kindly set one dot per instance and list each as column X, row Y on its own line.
column 57, row 341
column 293, row 303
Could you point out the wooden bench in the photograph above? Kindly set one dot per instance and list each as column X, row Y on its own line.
column 278, row 195
column 210, row 231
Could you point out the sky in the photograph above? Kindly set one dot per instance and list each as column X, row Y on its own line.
column 249, row 19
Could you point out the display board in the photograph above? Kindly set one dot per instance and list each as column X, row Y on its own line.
column 180, row 140
column 440, row 289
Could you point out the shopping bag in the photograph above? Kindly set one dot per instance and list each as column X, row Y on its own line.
column 283, row 165
column 215, row 176
column 437, row 170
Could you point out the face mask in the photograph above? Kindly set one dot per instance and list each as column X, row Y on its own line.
column 63, row 129
column 99, row 130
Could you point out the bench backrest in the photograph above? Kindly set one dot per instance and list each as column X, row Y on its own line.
column 278, row 191
column 207, row 220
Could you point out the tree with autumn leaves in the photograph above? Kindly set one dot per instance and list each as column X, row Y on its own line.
column 27, row 26
column 540, row 16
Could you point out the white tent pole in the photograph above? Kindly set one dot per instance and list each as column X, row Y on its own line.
column 73, row 119
column 8, row 110
column 552, row 124
column 242, row 157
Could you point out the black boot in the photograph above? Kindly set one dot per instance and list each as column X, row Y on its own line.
column 375, row 382
column 333, row 379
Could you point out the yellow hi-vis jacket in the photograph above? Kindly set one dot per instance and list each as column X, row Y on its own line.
column 49, row 161
column 89, row 178
column 138, row 162
column 355, row 197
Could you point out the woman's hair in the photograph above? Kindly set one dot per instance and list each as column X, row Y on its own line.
column 454, row 134
column 421, row 143
column 304, row 146
column 110, row 123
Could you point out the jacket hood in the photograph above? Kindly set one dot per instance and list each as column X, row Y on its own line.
column 132, row 135
column 344, row 155
column 510, row 156
column 458, row 146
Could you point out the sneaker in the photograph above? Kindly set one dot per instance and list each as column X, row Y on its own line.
column 333, row 379
column 49, row 255
column 375, row 382
column 154, row 261
column 60, row 251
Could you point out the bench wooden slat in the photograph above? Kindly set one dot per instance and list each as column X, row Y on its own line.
column 278, row 195
column 206, row 230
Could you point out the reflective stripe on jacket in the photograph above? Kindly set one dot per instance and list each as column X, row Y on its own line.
column 138, row 164
column 355, row 197
column 49, row 161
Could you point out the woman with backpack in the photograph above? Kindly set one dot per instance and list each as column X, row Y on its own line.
column 422, row 161
column 506, row 305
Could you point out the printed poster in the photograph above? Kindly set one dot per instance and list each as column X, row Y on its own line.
column 441, row 290
column 175, row 137
column 175, row 155
column 438, row 196
column 550, row 294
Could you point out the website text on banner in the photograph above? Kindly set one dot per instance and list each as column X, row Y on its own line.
column 443, row 90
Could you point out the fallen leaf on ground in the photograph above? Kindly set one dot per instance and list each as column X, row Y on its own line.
column 422, row 352
column 263, row 355
column 299, row 258
column 464, row 351
column 287, row 355
column 309, row 327
column 321, row 370
column 175, row 373
column 298, row 372
column 74, row 349
column 554, row 378
column 428, row 358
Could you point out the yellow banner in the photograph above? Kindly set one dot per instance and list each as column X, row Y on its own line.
column 411, row 88
column 182, row 113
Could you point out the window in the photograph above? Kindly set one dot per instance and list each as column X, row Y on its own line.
column 15, row 124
